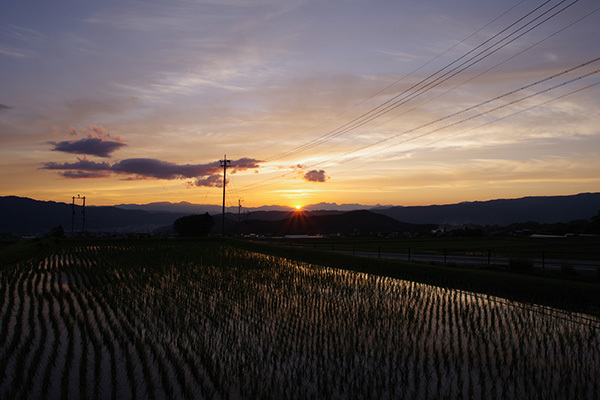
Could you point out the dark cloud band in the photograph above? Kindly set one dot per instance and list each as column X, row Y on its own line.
column 316, row 176
column 152, row 168
column 99, row 147
column 204, row 174
column 82, row 164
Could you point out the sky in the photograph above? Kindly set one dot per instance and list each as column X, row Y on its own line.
column 356, row 101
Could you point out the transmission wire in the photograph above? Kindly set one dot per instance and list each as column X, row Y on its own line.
column 397, row 100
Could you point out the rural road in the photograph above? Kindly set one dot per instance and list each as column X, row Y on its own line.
column 552, row 264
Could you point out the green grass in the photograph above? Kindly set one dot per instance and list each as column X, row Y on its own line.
column 13, row 251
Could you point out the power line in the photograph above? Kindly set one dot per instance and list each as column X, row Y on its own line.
column 490, row 101
column 265, row 184
column 478, row 126
column 434, row 81
column 306, row 145
column 423, row 86
column 454, row 70
column 556, row 86
column 448, row 75
column 500, row 63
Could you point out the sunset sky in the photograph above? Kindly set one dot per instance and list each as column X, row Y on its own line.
column 358, row 101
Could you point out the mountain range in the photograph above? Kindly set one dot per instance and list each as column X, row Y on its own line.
column 543, row 209
column 186, row 207
column 23, row 216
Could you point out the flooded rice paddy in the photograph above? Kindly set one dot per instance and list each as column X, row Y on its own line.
column 184, row 320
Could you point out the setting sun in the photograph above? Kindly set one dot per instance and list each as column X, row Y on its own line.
column 298, row 207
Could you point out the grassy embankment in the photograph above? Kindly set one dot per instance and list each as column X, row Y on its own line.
column 14, row 251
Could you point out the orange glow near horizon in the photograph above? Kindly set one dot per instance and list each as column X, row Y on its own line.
column 327, row 126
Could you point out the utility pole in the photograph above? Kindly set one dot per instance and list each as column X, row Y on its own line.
column 83, row 213
column 240, row 216
column 73, row 214
column 224, row 163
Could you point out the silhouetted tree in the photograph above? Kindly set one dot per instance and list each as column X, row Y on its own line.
column 594, row 226
column 194, row 225
column 57, row 231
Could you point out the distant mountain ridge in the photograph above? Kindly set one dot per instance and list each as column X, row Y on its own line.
column 543, row 209
column 165, row 206
column 184, row 206
column 548, row 209
column 20, row 215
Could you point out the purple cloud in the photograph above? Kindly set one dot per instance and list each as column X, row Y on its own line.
column 152, row 168
column 84, row 174
column 204, row 174
column 211, row 181
column 93, row 146
column 244, row 163
column 82, row 164
column 316, row 176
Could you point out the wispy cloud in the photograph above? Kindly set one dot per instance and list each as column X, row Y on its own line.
column 399, row 55
column 85, row 108
column 12, row 52
column 22, row 34
column 146, row 17
column 284, row 81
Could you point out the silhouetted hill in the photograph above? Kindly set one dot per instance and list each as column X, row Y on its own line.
column 184, row 206
column 20, row 215
column 279, row 215
column 502, row 212
column 361, row 222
